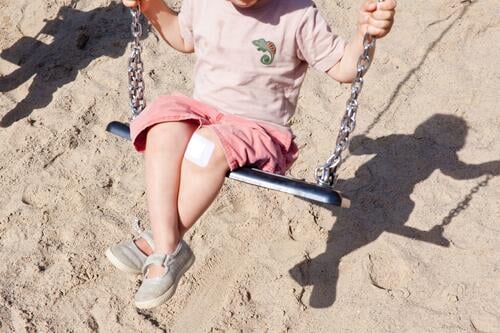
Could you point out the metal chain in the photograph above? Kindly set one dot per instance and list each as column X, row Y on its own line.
column 326, row 175
column 135, row 67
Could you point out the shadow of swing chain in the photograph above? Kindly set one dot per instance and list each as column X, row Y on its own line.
column 413, row 71
column 465, row 203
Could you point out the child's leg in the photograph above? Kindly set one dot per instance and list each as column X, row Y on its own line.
column 176, row 187
column 163, row 156
column 200, row 185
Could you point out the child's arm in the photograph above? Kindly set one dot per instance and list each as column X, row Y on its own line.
column 165, row 21
column 375, row 19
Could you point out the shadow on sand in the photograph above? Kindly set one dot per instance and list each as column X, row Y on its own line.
column 78, row 39
column 381, row 190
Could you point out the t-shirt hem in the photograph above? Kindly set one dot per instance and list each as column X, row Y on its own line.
column 324, row 65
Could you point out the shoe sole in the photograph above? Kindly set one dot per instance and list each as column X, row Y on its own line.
column 120, row 265
column 168, row 294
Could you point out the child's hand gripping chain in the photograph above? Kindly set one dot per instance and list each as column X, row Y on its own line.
column 164, row 19
column 376, row 17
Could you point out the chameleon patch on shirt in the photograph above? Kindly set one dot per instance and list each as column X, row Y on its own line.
column 268, row 48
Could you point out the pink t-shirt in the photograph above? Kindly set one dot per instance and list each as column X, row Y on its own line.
column 252, row 62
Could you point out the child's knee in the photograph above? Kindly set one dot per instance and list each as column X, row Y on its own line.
column 169, row 134
column 205, row 150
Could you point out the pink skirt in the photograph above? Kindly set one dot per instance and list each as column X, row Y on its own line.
column 246, row 142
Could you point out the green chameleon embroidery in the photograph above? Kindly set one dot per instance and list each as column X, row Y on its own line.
column 268, row 48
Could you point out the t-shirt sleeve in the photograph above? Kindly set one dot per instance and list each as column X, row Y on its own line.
column 185, row 18
column 317, row 44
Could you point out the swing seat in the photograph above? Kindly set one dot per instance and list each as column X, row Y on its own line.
column 298, row 188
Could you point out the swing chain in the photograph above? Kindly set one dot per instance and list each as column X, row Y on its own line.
column 136, row 67
column 326, row 175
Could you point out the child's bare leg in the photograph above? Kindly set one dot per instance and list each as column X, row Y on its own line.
column 165, row 148
column 200, row 185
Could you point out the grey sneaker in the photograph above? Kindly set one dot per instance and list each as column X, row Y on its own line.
column 127, row 257
column 155, row 291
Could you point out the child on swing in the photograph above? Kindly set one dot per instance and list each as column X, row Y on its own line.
column 251, row 59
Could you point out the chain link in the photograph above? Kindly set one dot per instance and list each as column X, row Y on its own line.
column 326, row 175
column 135, row 67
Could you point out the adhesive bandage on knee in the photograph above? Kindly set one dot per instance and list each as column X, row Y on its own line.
column 199, row 150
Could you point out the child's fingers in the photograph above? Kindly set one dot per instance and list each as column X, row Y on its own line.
column 377, row 18
column 382, row 24
column 387, row 5
column 376, row 32
column 364, row 18
column 369, row 6
column 383, row 14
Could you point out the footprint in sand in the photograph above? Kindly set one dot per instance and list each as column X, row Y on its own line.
column 388, row 271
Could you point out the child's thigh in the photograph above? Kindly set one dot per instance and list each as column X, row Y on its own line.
column 174, row 134
column 205, row 149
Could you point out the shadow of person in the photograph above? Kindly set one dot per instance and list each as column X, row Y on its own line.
column 381, row 192
column 78, row 39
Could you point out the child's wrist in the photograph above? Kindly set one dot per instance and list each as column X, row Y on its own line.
column 361, row 30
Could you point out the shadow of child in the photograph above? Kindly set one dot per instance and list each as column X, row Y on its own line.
column 381, row 191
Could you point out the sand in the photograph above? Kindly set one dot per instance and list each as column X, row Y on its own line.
column 418, row 251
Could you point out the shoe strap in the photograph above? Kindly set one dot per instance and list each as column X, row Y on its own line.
column 148, row 238
column 154, row 259
column 160, row 259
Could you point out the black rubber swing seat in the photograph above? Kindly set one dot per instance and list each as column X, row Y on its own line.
column 298, row 188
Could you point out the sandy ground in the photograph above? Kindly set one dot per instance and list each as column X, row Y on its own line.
column 418, row 251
